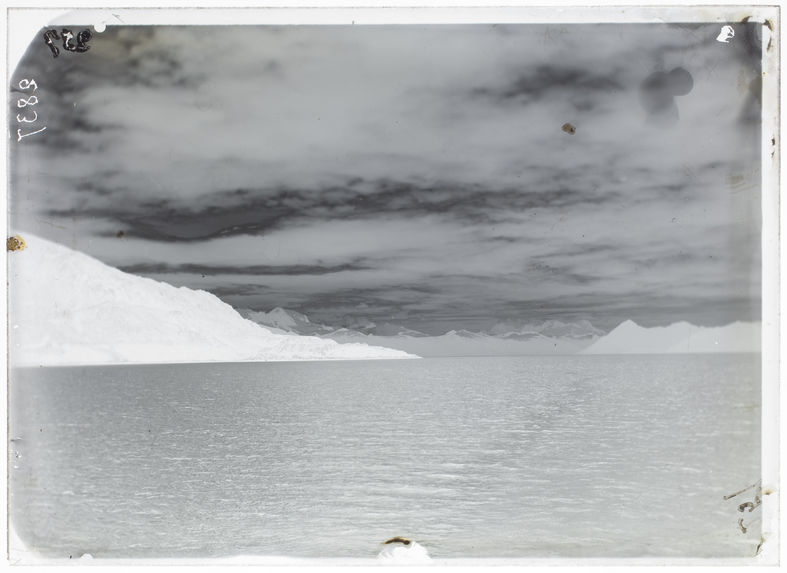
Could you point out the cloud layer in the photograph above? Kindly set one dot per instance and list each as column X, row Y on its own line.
column 415, row 174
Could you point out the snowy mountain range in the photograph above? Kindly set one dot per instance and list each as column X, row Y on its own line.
column 504, row 338
column 681, row 337
column 520, row 337
column 580, row 330
column 68, row 308
column 298, row 323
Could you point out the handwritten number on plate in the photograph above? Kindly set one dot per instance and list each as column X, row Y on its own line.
column 27, row 83
column 68, row 37
column 19, row 135
column 31, row 101
column 25, row 120
column 49, row 37
column 82, row 38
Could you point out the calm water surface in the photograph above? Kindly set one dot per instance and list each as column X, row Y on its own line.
column 473, row 457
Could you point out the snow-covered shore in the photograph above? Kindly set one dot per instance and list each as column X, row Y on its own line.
column 67, row 308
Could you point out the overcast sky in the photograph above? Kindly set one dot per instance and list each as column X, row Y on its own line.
column 417, row 175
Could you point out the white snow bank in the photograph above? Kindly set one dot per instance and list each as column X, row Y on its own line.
column 68, row 308
column 681, row 337
column 400, row 554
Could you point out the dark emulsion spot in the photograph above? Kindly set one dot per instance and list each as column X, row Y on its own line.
column 657, row 95
column 401, row 540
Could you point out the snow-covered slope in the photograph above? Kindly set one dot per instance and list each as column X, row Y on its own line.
column 681, row 337
column 68, row 308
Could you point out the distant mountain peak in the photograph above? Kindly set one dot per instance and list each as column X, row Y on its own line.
column 680, row 337
column 282, row 312
column 282, row 319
